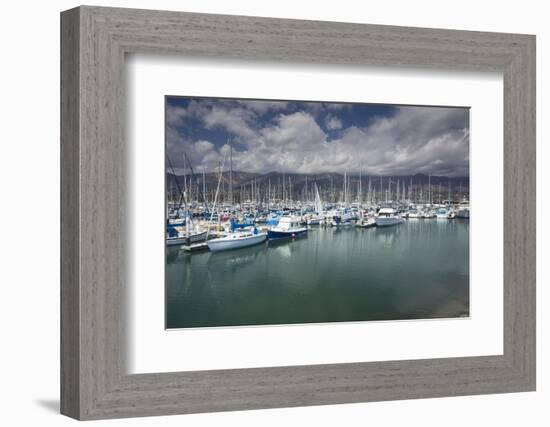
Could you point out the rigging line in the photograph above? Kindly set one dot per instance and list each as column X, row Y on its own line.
column 182, row 196
column 193, row 175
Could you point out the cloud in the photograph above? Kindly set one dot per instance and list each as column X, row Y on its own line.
column 263, row 107
column 237, row 121
column 416, row 139
column 332, row 122
column 271, row 136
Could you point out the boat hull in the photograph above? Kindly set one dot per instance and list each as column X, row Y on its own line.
column 387, row 222
column 183, row 240
column 463, row 213
column 280, row 234
column 314, row 221
column 222, row 244
column 367, row 224
column 341, row 224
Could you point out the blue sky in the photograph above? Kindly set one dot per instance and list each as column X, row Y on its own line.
column 316, row 137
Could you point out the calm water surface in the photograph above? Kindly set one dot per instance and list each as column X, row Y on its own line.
column 416, row 270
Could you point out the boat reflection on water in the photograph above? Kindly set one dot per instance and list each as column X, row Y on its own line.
column 241, row 256
column 387, row 235
column 415, row 270
column 275, row 243
column 173, row 254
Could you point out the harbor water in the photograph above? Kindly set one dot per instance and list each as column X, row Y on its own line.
column 418, row 269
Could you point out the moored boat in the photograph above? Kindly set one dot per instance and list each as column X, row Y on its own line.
column 463, row 210
column 442, row 213
column 185, row 238
column 236, row 240
column 288, row 226
column 428, row 213
column 414, row 214
column 176, row 222
column 387, row 217
column 366, row 223
column 314, row 220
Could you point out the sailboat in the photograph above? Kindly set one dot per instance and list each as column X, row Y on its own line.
column 174, row 235
column 237, row 239
column 318, row 218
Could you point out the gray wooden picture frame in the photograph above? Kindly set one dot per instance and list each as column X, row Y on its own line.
column 94, row 382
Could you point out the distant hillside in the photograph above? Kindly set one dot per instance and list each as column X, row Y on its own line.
column 330, row 185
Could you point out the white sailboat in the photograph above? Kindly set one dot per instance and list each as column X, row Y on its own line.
column 236, row 240
column 318, row 218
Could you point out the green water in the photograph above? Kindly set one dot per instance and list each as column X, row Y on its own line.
column 416, row 270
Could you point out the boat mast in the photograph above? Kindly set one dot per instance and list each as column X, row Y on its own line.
column 215, row 198
column 370, row 193
column 290, row 189
column 345, row 189
column 204, row 184
column 284, row 194
column 397, row 188
column 230, row 173
column 359, row 189
column 184, row 177
column 430, row 189
column 182, row 193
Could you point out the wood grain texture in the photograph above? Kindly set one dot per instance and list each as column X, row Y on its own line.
column 94, row 269
column 70, row 259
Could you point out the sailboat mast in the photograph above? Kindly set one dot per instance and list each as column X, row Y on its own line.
column 290, row 189
column 230, row 173
column 370, row 193
column 284, row 194
column 430, row 189
column 345, row 189
column 359, row 190
column 204, row 184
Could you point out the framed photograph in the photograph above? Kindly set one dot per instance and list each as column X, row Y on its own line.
column 263, row 213
column 341, row 212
